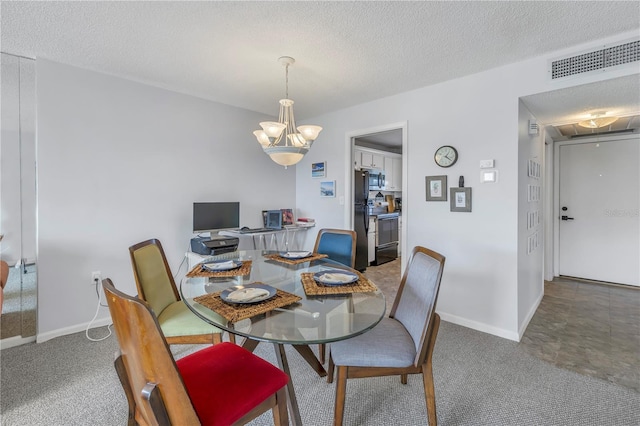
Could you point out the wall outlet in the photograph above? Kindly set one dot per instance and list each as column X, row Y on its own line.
column 96, row 275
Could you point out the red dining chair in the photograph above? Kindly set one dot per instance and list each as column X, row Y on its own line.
column 222, row 384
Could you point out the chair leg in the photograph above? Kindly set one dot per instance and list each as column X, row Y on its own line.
column 429, row 393
column 341, row 392
column 232, row 338
column 403, row 378
column 321, row 352
column 280, row 414
column 427, row 374
column 126, row 386
column 330, row 370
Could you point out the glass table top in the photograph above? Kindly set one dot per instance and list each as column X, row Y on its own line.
column 314, row 319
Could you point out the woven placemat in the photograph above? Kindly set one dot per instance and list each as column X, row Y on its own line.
column 313, row 288
column 279, row 258
column 199, row 271
column 238, row 312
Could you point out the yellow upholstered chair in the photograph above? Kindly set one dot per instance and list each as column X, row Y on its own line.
column 156, row 286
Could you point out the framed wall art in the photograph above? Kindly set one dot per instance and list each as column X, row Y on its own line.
column 319, row 170
column 460, row 199
column 328, row 188
column 436, row 188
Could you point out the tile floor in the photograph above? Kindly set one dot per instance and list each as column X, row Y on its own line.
column 590, row 328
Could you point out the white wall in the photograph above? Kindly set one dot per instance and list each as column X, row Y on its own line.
column 479, row 115
column 120, row 162
column 530, row 260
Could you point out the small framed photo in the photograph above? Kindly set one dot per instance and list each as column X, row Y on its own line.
column 328, row 188
column 319, row 170
column 460, row 199
column 436, row 188
column 287, row 217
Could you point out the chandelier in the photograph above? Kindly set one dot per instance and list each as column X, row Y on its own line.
column 597, row 120
column 281, row 140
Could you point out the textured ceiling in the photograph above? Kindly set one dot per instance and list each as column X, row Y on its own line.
column 346, row 52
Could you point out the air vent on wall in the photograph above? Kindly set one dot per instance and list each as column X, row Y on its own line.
column 602, row 59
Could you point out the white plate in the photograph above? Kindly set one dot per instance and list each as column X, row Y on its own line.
column 221, row 265
column 295, row 254
column 250, row 293
column 335, row 277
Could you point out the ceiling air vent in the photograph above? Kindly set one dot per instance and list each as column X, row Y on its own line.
column 597, row 60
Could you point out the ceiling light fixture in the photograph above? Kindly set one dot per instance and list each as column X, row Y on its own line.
column 597, row 120
column 281, row 140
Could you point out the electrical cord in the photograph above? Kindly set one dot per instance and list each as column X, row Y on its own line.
column 184, row 258
column 96, row 282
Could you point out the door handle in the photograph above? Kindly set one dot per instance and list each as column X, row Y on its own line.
column 566, row 218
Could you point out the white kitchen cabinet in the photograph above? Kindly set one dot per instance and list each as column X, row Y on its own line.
column 393, row 173
column 372, row 239
column 368, row 159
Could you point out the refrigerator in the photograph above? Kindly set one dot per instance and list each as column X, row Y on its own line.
column 361, row 218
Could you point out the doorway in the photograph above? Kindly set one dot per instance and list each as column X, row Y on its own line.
column 378, row 144
column 598, row 199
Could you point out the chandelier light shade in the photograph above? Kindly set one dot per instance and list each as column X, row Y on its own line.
column 285, row 143
column 597, row 120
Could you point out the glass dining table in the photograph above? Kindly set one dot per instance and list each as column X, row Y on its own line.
column 300, row 308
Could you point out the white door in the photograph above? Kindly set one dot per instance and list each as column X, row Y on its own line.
column 599, row 202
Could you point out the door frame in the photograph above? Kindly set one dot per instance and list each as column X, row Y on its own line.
column 349, row 167
column 553, row 213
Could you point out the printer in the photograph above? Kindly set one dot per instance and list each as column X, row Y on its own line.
column 214, row 245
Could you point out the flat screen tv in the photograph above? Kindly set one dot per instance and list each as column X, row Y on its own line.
column 214, row 216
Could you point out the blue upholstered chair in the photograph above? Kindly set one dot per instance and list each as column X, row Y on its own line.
column 401, row 344
column 339, row 244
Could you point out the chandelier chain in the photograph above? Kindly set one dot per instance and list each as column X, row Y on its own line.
column 286, row 84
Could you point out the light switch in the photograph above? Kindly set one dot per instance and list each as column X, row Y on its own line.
column 488, row 176
column 341, row 200
column 487, row 164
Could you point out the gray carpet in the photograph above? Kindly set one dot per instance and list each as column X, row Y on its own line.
column 479, row 380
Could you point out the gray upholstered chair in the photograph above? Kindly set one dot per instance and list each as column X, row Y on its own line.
column 401, row 344
column 156, row 286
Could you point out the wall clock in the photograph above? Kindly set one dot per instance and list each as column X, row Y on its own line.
column 446, row 156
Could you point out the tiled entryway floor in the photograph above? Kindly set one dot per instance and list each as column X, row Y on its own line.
column 590, row 328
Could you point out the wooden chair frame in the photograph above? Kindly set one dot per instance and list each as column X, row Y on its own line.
column 422, row 364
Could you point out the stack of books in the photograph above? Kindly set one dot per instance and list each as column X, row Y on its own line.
column 305, row 221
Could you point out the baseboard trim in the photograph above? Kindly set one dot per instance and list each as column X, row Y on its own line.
column 12, row 342
column 532, row 311
column 43, row 337
column 485, row 328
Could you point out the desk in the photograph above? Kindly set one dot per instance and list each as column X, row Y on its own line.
column 316, row 319
column 287, row 238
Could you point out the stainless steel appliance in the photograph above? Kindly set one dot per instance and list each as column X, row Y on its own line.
column 361, row 217
column 376, row 181
column 387, row 238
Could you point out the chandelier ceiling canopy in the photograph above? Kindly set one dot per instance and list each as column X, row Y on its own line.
column 285, row 143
